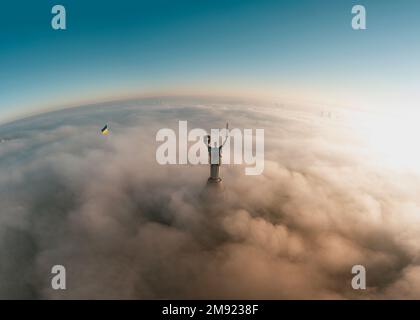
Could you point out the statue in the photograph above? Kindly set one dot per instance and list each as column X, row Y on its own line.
column 215, row 157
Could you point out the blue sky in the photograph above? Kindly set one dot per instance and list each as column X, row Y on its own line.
column 272, row 49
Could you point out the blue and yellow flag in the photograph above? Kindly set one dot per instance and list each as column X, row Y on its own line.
column 105, row 130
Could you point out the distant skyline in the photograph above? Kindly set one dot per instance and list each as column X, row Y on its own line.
column 299, row 50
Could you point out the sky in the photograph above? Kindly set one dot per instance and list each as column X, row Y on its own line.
column 295, row 50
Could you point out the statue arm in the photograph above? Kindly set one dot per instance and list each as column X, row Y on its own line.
column 226, row 139
column 227, row 134
column 207, row 141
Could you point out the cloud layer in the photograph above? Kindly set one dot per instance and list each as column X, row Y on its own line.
column 126, row 227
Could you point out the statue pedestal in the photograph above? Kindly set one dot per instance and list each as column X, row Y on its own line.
column 214, row 189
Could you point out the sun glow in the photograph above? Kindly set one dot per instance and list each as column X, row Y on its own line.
column 393, row 138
